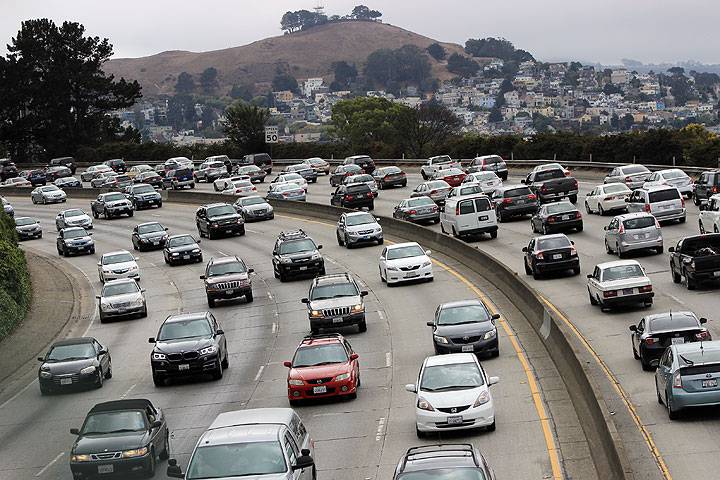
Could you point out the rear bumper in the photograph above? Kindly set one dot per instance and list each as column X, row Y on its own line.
column 481, row 346
column 479, row 230
column 557, row 266
column 626, row 299
column 670, row 215
column 425, row 217
column 564, row 226
column 296, row 269
column 683, row 399
column 552, row 196
column 628, row 246
column 525, row 209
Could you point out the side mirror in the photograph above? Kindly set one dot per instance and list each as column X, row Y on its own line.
column 411, row 387
column 102, row 352
column 493, row 380
column 303, row 462
column 524, row 249
column 220, row 331
column 166, row 229
column 173, row 470
column 40, row 359
column 495, row 316
column 142, row 290
column 156, row 424
column 305, row 300
column 75, row 431
column 89, row 234
column 428, row 252
column 633, row 328
column 99, row 264
column 605, row 227
column 364, row 293
column 319, row 247
column 590, row 275
column 251, row 270
column 202, row 277
column 572, row 243
column 97, row 296
column 354, row 356
column 703, row 320
column 523, row 181
column 198, row 241
column 288, row 364
column 671, row 249
column 151, row 340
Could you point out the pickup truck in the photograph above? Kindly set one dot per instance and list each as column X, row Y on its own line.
column 552, row 184
column 697, row 258
column 436, row 163
column 710, row 216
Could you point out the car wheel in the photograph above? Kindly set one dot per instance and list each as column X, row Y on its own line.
column 282, row 277
column 593, row 301
column 44, row 390
column 587, row 208
column 675, row 276
column 339, row 240
column 362, row 326
column 382, row 279
column 659, row 250
column 95, row 215
column 657, row 393
column 620, row 253
column 419, row 433
column 635, row 354
column 99, row 381
column 576, row 271
column 218, row 373
column 672, row 413
column 499, row 215
column 645, row 365
column 493, row 234
column 601, row 210
column 491, row 427
column 211, row 301
column 158, row 380
column 347, row 242
column 682, row 220
column 108, row 374
column 691, row 282
column 536, row 274
column 152, row 463
column 226, row 361
column 165, row 453
column 249, row 297
column 106, row 214
column 528, row 270
column 545, row 229
column 580, row 228
column 143, row 314
column 607, row 248
column 573, row 198
column 701, row 226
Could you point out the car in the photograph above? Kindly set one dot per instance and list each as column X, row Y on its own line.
column 261, row 160
column 632, row 232
column 8, row 169
column 149, row 235
column 210, row 170
column 240, row 188
column 707, row 185
column 697, row 258
column 7, row 207
column 465, row 189
column 74, row 240
column 452, row 176
column 268, row 443
column 295, row 178
column 296, row 254
column 417, row 210
column 67, row 162
column 138, row 169
column 150, row 178
column 323, row 366
column 557, row 217
column 437, row 190
column 402, row 262
column 93, row 171
column 654, row 333
column 488, row 181
column 436, row 163
column 286, row 191
column 443, row 462
column 54, row 173
column 619, row 283
column 104, row 180
column 363, row 161
column 356, row 228
column 28, row 228
column 48, row 194
column 176, row 163
column 334, row 301
column 122, row 183
column 180, row 177
column 117, row 165
column 17, row 182
column 363, row 178
column 342, row 171
column 253, row 172
column 550, row 253
column 633, row 176
column 226, row 183
column 188, row 344
column 304, row 170
column 74, row 362
column 228, row 163
column 709, row 221
column 254, row 208
column 673, row 177
column 465, row 326
column 143, row 195
column 120, row 438
column 550, row 166
column 111, row 204
column 453, row 393
column 354, row 195
column 160, row 170
column 468, row 215
column 37, row 177
column 121, row 298
column 227, row 278
column 389, row 177
column 607, row 198
column 489, row 163
column 514, row 201
column 552, row 184
column 319, row 165
column 182, row 248
column 216, row 219
column 118, row 264
column 68, row 182
column 73, row 217
column 663, row 201
column 687, row 376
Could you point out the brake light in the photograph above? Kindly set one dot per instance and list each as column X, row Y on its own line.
column 567, row 173
column 576, row 183
column 646, row 289
column 610, row 293
column 540, row 255
column 628, row 180
column 543, row 188
column 254, row 189
column 457, row 209
column 677, row 380
column 573, row 251
column 507, row 200
column 647, row 207
column 578, row 215
column 286, row 194
column 621, row 230
column 433, row 192
column 348, row 197
column 651, row 341
column 682, row 200
column 532, row 196
column 412, row 212
column 551, row 219
column 715, row 189
column 704, row 335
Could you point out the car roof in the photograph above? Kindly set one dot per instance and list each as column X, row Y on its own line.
column 115, row 252
column 326, row 339
column 450, row 359
column 240, row 434
column 616, row 263
column 699, row 352
column 180, row 317
column 461, row 303
column 401, row 245
column 218, row 204
column 71, row 229
column 355, row 157
column 428, row 457
column 333, row 278
column 225, row 259
column 254, row 416
column 127, row 404
column 553, row 235
column 120, row 281
column 148, row 223
column 356, row 214
column 627, row 216
column 633, row 165
column 241, row 199
column 23, row 218
column 655, row 188
column 73, row 341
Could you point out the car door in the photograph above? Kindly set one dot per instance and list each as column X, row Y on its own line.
column 637, row 335
column 664, row 371
column 634, row 204
column 529, row 251
column 611, row 234
column 341, row 225
column 593, row 282
column 467, row 219
column 383, row 259
column 104, row 359
column 701, row 186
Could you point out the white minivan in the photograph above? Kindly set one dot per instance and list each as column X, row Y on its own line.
column 469, row 215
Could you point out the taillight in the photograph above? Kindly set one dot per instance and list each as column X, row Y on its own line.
column 646, row 289
column 543, row 188
column 457, row 210
column 715, row 189
column 507, row 200
column 254, row 189
column 573, row 251
column 532, row 196
column 412, row 212
column 622, row 228
column 567, row 173
column 651, row 341
column 576, row 183
column 682, row 200
column 610, row 293
column 647, row 208
column 348, row 197
column 551, row 219
column 433, row 192
column 704, row 335
column 540, row 256
column 628, row 180
column 677, row 380
column 578, row 215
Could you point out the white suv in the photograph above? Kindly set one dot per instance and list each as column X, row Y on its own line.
column 664, row 202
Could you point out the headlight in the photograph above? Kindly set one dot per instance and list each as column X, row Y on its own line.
column 342, row 376
column 270, row 208
column 45, row 374
column 158, row 356
column 134, row 267
column 214, row 225
column 392, row 269
column 68, row 242
column 106, row 270
column 425, row 264
column 139, row 302
column 316, row 313
column 80, row 458
column 423, row 404
column 358, row 308
column 490, row 334
column 88, row 370
column 196, row 250
column 316, row 256
column 138, row 452
column 440, row 339
column 208, row 350
column 482, row 399
column 296, row 383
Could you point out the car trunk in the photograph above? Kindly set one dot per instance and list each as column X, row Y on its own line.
column 700, row 378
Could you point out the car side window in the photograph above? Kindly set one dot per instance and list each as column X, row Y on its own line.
column 291, row 449
column 531, row 245
column 596, row 273
column 466, row 207
column 384, row 252
column 641, row 325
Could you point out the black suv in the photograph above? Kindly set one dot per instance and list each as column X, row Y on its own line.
column 227, row 278
column 188, row 344
column 363, row 161
column 514, row 200
column 7, row 169
column 335, row 301
column 261, row 160
column 442, row 461
column 217, row 219
column 68, row 162
column 143, row 195
column 296, row 254
column 355, row 195
column 706, row 186
column 117, row 164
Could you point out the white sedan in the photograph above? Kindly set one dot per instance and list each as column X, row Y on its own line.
column 295, row 178
column 242, row 188
column 488, row 181
column 404, row 262
column 226, row 183
column 606, row 198
column 673, row 177
column 453, row 393
column 116, row 265
column 47, row 194
column 619, row 283
column 709, row 221
column 93, row 171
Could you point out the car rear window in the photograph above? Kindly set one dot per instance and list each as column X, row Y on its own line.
column 664, row 195
column 549, row 174
column 181, row 172
column 552, row 243
column 670, row 322
column 357, row 188
column 493, row 160
column 634, row 169
column 560, row 207
column 642, row 222
column 517, row 192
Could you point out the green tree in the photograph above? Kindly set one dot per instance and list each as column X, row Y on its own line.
column 406, row 65
column 245, row 126
column 290, row 22
column 361, row 12
column 244, row 92
column 496, row 48
column 427, row 128
column 437, row 51
column 462, row 66
column 185, row 84
column 495, row 115
column 209, row 80
column 345, row 74
column 366, row 121
column 284, row 81
column 54, row 95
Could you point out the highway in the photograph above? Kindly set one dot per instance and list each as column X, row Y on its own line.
column 359, row 439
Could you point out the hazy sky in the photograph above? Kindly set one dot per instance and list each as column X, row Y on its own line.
column 599, row 31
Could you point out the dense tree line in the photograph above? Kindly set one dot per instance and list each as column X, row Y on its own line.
column 407, row 65
column 293, row 21
column 15, row 289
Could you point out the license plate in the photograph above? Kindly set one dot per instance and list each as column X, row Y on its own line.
column 303, row 268
column 636, row 237
column 709, row 383
column 337, row 320
column 106, row 469
column 627, row 291
column 66, row 381
column 228, row 292
column 467, row 348
column 228, row 231
column 483, row 218
column 677, row 340
column 412, row 274
column 717, row 274
column 557, row 256
column 322, row 389
column 520, row 202
column 183, row 366
column 455, row 420
column 566, row 217
column 186, row 257
column 156, row 243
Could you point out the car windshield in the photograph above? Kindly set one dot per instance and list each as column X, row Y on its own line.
column 114, row 197
column 622, row 272
column 441, row 159
column 150, row 228
column 252, row 201
column 361, row 219
column 143, row 189
column 333, row 290
column 357, row 188
column 221, row 210
column 517, row 192
column 419, row 202
column 73, row 213
column 50, row 188
column 62, row 353
column 552, row 243
column 405, row 252
column 75, row 233
column 560, row 207
column 455, row 376
column 456, row 473
column 462, row 314
column 109, row 259
column 438, row 184
column 180, row 241
column 633, row 169
column 297, row 246
column 675, row 174
column 362, row 178
column 114, row 422
column 320, row 355
column 190, row 328
column 123, row 288
column 226, row 268
column 641, row 222
column 673, row 321
column 21, row 222
column 237, row 460
column 616, row 188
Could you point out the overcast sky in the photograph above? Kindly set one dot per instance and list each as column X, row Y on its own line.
column 602, row 31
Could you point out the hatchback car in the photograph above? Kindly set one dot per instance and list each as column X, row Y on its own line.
column 443, row 462
column 118, row 264
column 358, row 227
column 74, row 362
column 240, row 188
column 254, row 208
column 363, row 161
column 368, row 180
column 607, row 198
column 550, row 253
column 74, row 240
column 342, row 171
column 453, row 393
column 227, row 278
column 253, row 172
column 489, row 163
column 150, row 178
column 73, row 217
column 417, row 210
column 389, row 177
column 121, row 298
column 149, row 236
column 27, row 228
column 654, row 333
column 286, row 191
column 403, row 262
column 323, row 366
column 633, row 176
column 68, row 182
column 465, row 326
column 452, row 176
column 514, row 200
column 354, row 195
column 619, row 283
column 632, row 232
column 48, row 194
column 488, row 181
column 673, row 177
column 437, row 190
column 118, row 165
column 182, row 249
column 557, row 217
column 663, row 201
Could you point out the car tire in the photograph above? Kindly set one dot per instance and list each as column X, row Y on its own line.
column 226, row 362
column 701, row 227
column 690, row 282
column 249, row 297
column 109, row 374
column 150, row 472
column 580, row 228
column 101, row 377
column 131, row 213
column 499, row 215
column 528, row 270
column 362, row 326
column 346, row 241
column 282, row 277
column 635, row 354
column 576, row 271
column 601, row 211
column 419, row 434
column 587, row 208
column 143, row 314
column 672, row 414
column 608, row 250
column 493, row 234
column 593, row 300
column 682, row 220
column 675, row 276
column 573, row 199
column 106, row 214
column 491, row 427
column 158, row 381
column 536, row 275
column 620, row 253
column 211, row 301
column 657, row 393
column 382, row 279
column 218, row 373
column 95, row 214
column 545, row 230
column 659, row 250
column 44, row 390
column 165, row 453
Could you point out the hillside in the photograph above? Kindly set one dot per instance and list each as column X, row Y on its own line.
column 303, row 54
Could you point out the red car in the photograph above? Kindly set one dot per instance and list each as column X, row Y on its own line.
column 453, row 176
column 323, row 366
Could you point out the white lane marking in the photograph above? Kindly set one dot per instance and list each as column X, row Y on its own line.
column 152, row 264
column 388, row 359
column 18, row 393
column 677, row 299
column 274, row 327
column 381, row 426
column 222, row 253
column 128, row 391
column 259, row 373
column 381, row 315
column 155, row 215
column 270, row 295
column 59, row 456
column 251, row 231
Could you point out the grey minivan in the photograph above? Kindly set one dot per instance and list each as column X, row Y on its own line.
column 633, row 231
column 663, row 201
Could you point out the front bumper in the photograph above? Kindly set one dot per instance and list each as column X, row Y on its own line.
column 481, row 346
column 332, row 389
column 422, row 273
column 27, row 235
column 122, row 312
column 54, row 199
column 87, row 248
column 305, row 268
column 148, row 243
column 134, row 274
column 367, row 238
column 626, row 299
column 473, row 417
column 228, row 294
column 185, row 368
column 117, row 211
column 233, row 228
column 147, row 202
column 59, row 382
column 185, row 257
column 253, row 216
column 339, row 321
column 120, row 467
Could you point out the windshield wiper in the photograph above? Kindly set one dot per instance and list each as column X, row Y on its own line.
column 321, row 363
column 123, row 430
column 454, row 387
column 70, row 359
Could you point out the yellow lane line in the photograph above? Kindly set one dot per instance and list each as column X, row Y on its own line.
column 552, row 449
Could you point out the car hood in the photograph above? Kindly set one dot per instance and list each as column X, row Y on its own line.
column 335, row 302
column 256, row 207
column 183, row 248
column 362, row 228
column 223, row 218
column 625, row 283
column 152, row 235
column 84, row 239
column 227, row 278
column 53, row 193
column 152, row 194
column 475, row 328
column 406, row 262
column 111, row 442
column 74, row 366
column 116, row 299
column 24, row 228
column 118, row 203
column 80, row 219
column 120, row 266
column 452, row 398
column 183, row 345
column 319, row 371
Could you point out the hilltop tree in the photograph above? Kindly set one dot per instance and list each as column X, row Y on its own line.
column 407, row 64
column 361, row 12
column 185, row 83
column 208, row 80
column 301, row 20
column 437, row 51
column 462, row 66
column 290, row 22
column 54, row 94
column 244, row 92
column 284, row 81
column 495, row 115
column 245, row 126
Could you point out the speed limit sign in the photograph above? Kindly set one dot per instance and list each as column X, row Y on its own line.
column 271, row 134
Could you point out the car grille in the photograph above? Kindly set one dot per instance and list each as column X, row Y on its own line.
column 301, row 260
column 228, row 285
column 454, row 409
column 365, row 232
column 319, row 381
column 123, row 270
column 227, row 222
column 468, row 339
column 259, row 211
column 106, row 455
column 410, row 268
column 120, row 305
column 74, row 377
column 176, row 357
column 336, row 312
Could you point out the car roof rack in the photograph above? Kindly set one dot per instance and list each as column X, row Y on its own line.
column 292, row 234
column 320, row 336
column 441, row 450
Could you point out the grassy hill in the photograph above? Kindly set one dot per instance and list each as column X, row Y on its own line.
column 303, row 54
